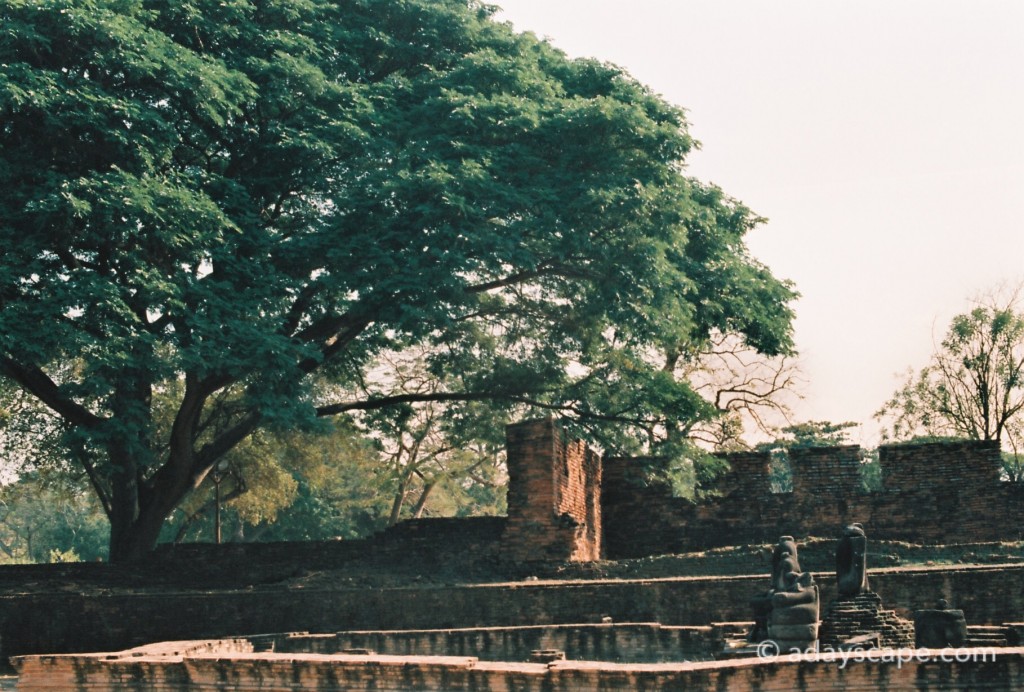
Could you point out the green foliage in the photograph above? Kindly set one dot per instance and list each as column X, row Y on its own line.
column 814, row 434
column 926, row 440
column 50, row 519
column 1013, row 467
column 871, row 472
column 691, row 475
column 433, row 452
column 290, row 487
column 222, row 210
column 337, row 484
column 57, row 555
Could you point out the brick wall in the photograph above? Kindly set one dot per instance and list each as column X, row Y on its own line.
column 623, row 643
column 554, row 510
column 985, row 670
column 932, row 493
column 65, row 621
column 833, row 471
column 566, row 504
column 964, row 463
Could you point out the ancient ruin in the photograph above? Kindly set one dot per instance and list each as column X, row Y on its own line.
column 936, row 493
column 787, row 614
column 248, row 663
column 526, row 612
column 940, row 627
column 856, row 619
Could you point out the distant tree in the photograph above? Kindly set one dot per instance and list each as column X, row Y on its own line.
column 49, row 518
column 974, row 385
column 871, row 472
column 1013, row 466
column 468, row 479
column 290, row 487
column 815, row 434
column 341, row 484
column 227, row 204
column 430, row 448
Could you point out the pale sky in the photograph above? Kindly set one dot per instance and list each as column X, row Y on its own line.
column 882, row 139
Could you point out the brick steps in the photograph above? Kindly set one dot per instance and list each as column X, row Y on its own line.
column 862, row 616
column 988, row 635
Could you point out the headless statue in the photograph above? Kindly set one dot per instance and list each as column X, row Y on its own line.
column 851, row 562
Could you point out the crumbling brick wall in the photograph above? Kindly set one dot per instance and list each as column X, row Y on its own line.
column 59, row 620
column 932, row 493
column 567, row 504
column 554, row 508
column 833, row 471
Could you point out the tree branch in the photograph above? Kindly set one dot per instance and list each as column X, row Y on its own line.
column 377, row 403
column 224, row 443
column 39, row 384
column 521, row 277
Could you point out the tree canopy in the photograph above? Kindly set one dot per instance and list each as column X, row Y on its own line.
column 216, row 215
column 973, row 387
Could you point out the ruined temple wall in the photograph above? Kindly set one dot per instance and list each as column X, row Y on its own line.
column 735, row 511
column 967, row 463
column 641, row 519
column 933, row 493
column 977, row 669
column 747, row 476
column 554, row 511
column 833, row 471
column 61, row 621
column 577, row 480
column 565, row 503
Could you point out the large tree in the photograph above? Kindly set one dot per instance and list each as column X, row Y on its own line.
column 235, row 205
column 974, row 385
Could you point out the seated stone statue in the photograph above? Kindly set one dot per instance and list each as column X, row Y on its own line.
column 940, row 627
column 851, row 562
column 762, row 603
column 788, row 612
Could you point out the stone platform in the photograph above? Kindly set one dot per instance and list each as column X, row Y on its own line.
column 233, row 663
column 239, row 664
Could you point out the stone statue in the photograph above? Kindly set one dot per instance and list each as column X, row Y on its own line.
column 784, row 561
column 940, row 627
column 851, row 562
column 856, row 616
column 788, row 612
column 762, row 603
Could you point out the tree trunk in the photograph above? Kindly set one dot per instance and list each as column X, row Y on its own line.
column 139, row 507
column 421, row 504
column 399, row 501
column 135, row 540
column 137, row 513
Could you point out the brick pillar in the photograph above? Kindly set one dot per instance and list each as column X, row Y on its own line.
column 554, row 490
column 833, row 471
column 747, row 476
